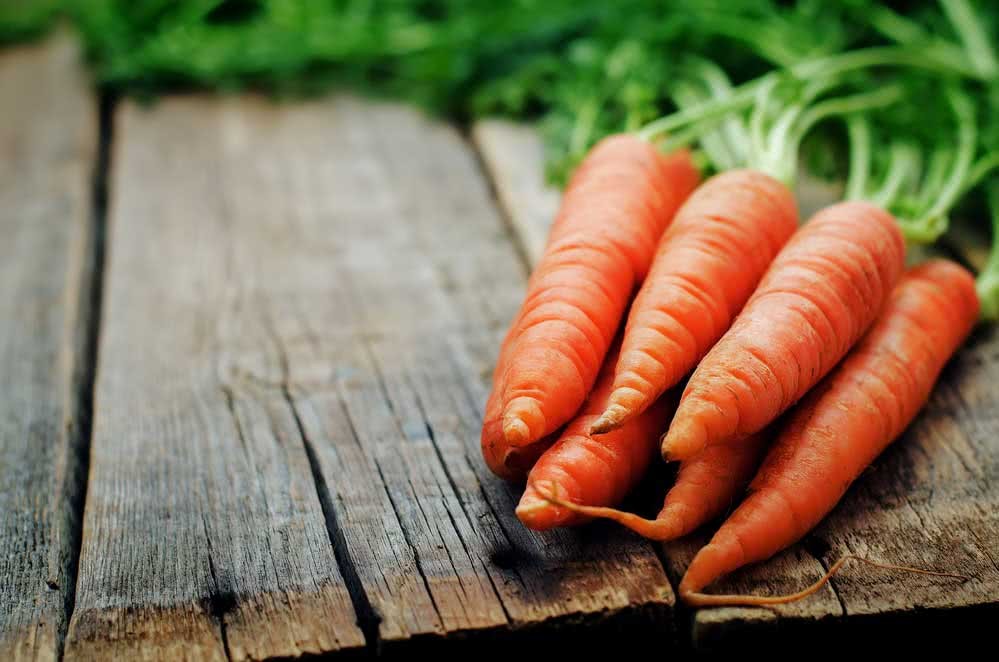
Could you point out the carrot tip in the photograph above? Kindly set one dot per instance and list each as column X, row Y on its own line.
column 610, row 420
column 536, row 511
column 683, row 440
column 516, row 432
column 529, row 506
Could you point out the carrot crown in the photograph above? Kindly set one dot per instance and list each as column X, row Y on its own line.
column 921, row 196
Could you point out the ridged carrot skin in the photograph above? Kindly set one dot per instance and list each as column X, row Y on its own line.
column 706, row 486
column 613, row 213
column 595, row 471
column 709, row 261
column 844, row 424
column 709, row 484
column 819, row 296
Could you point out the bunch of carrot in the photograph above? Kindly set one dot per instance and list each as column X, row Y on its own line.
column 650, row 278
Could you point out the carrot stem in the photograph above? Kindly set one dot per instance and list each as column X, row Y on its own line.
column 903, row 30
column 713, row 142
column 903, row 166
column 859, row 131
column 976, row 42
column 967, row 139
column 981, row 169
column 854, row 103
column 987, row 283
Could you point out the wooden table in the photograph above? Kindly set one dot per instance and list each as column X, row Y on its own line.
column 243, row 353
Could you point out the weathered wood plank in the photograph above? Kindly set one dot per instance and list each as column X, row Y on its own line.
column 513, row 155
column 311, row 265
column 204, row 536
column 48, row 146
column 404, row 278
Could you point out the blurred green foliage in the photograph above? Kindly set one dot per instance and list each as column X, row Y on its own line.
column 581, row 68
column 25, row 19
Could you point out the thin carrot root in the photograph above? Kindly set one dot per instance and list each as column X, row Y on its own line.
column 652, row 529
column 697, row 599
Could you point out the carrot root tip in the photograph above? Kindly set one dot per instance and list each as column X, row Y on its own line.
column 516, row 432
column 684, row 439
column 610, row 420
column 529, row 509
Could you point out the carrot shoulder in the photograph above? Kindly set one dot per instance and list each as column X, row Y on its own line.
column 819, row 296
column 596, row 471
column 708, row 264
column 843, row 425
column 614, row 211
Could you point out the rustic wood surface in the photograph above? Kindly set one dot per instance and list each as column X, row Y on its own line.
column 203, row 534
column 301, row 306
column 48, row 143
column 280, row 280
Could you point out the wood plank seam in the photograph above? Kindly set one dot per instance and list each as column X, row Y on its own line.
column 48, row 170
column 379, row 372
column 485, row 172
column 454, row 486
column 217, row 606
column 88, row 325
column 181, row 554
column 367, row 617
column 370, row 617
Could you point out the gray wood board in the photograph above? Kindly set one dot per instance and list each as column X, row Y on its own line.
column 317, row 288
column 203, row 531
column 48, row 145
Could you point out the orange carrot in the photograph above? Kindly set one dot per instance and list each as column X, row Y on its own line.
column 706, row 486
column 819, row 296
column 842, row 426
column 614, row 211
column 593, row 471
column 708, row 264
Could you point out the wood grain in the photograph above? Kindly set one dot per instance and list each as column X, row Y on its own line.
column 48, row 145
column 388, row 361
column 203, row 532
column 313, row 289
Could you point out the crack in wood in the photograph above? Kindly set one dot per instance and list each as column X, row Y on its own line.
column 220, row 601
column 367, row 616
column 88, row 323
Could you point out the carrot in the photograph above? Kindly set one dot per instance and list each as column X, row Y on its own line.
column 819, row 296
column 614, row 211
column 708, row 264
column 593, row 471
column 842, row 427
column 706, row 486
